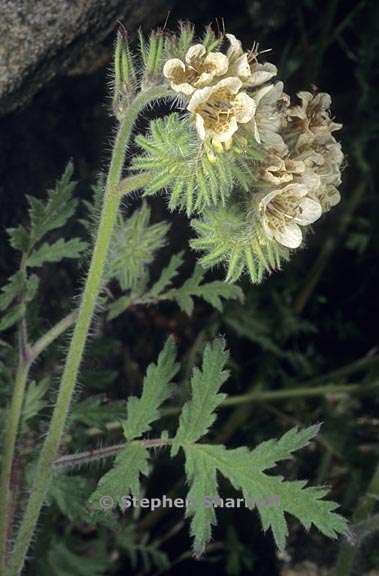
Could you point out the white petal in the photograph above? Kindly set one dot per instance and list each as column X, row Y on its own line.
column 291, row 236
column 195, row 52
column 204, row 79
column 256, row 131
column 334, row 196
column 219, row 61
column 263, row 73
column 172, row 66
column 262, row 92
column 242, row 67
column 227, row 134
column 184, row 88
column 246, row 108
column 198, row 97
column 311, row 211
column 267, row 228
column 200, row 126
column 233, row 84
column 267, row 198
column 295, row 189
column 235, row 48
column 311, row 180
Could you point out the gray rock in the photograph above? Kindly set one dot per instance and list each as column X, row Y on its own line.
column 42, row 38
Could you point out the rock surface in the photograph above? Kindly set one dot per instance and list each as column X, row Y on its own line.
column 42, row 38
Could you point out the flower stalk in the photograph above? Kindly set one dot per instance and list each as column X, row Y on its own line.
column 91, row 291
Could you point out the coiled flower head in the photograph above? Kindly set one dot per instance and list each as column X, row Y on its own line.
column 254, row 170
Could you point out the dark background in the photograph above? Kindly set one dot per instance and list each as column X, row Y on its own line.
column 329, row 290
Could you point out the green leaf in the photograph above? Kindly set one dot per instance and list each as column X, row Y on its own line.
column 11, row 290
column 139, row 548
column 211, row 292
column 272, row 495
column 31, row 288
column 19, row 238
column 198, row 414
column 47, row 216
column 119, row 306
column 233, row 236
column 56, row 252
column 194, row 176
column 70, row 494
column 133, row 248
column 61, row 561
column 13, row 315
column 124, row 478
column 93, row 411
column 167, row 275
column 202, row 479
column 34, row 400
column 157, row 387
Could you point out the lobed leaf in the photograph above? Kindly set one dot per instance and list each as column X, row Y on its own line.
column 56, row 252
column 47, row 216
column 123, row 479
column 157, row 387
column 198, row 414
column 272, row 495
column 211, row 292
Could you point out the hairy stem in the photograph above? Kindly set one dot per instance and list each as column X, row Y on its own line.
column 72, row 460
column 51, row 335
column 27, row 356
column 92, row 287
column 365, row 506
column 10, row 437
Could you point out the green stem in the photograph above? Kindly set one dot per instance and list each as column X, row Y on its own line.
column 59, row 328
column 27, row 357
column 92, row 287
column 347, row 554
column 71, row 460
column 262, row 396
column 10, row 437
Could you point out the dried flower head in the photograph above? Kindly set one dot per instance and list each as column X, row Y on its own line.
column 311, row 118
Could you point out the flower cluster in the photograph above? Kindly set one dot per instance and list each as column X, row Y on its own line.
column 299, row 179
column 233, row 99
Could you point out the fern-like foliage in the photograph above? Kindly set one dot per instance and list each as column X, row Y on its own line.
column 143, row 411
column 45, row 216
column 198, row 414
column 246, row 470
column 194, row 176
column 213, row 292
column 132, row 461
column 63, row 561
column 133, row 247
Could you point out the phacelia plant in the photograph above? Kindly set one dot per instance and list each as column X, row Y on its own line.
column 253, row 170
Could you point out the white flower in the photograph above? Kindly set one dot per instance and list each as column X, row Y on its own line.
column 284, row 210
column 271, row 103
column 220, row 108
column 198, row 70
column 323, row 157
column 246, row 66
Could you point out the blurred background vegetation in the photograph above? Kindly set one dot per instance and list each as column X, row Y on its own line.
column 313, row 325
